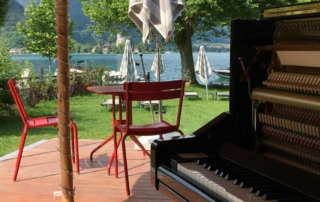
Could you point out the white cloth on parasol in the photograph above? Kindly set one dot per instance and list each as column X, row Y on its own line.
column 155, row 65
column 159, row 14
column 203, row 68
column 128, row 69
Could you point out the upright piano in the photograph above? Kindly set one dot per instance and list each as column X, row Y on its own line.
column 267, row 147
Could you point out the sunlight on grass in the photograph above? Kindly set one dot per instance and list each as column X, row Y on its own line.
column 93, row 124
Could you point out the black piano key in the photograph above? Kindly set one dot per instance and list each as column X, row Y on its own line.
column 255, row 188
column 273, row 196
column 230, row 169
column 234, row 175
column 218, row 168
column 261, row 192
column 272, row 190
column 207, row 164
column 223, row 174
column 247, row 177
column 229, row 177
column 218, row 171
column 201, row 161
column 211, row 168
column 211, row 159
column 296, row 199
column 247, row 184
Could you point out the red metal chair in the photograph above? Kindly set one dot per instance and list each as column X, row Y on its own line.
column 138, row 91
column 38, row 123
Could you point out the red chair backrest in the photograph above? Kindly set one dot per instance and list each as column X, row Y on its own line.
column 16, row 96
column 164, row 90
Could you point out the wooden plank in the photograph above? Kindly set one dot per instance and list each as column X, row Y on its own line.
column 39, row 175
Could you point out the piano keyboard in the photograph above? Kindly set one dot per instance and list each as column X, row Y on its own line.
column 230, row 182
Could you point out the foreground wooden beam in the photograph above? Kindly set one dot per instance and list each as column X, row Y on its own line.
column 61, row 7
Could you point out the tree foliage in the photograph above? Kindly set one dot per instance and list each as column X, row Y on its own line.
column 7, row 70
column 199, row 16
column 39, row 29
column 4, row 7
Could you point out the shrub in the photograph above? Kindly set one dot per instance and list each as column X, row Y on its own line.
column 34, row 88
column 90, row 76
column 8, row 69
column 44, row 86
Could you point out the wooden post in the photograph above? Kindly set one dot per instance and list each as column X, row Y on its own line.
column 61, row 8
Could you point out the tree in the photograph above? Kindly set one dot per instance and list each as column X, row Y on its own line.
column 8, row 69
column 39, row 29
column 199, row 16
column 4, row 7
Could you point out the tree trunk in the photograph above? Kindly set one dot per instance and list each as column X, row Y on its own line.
column 185, row 48
column 63, row 101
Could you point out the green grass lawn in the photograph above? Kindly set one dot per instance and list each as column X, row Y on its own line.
column 93, row 124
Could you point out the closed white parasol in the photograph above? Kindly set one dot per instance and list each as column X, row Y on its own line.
column 203, row 68
column 128, row 69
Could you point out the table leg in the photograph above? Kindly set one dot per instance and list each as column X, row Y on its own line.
column 116, row 143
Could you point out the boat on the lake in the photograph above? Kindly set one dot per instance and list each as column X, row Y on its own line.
column 79, row 66
column 225, row 73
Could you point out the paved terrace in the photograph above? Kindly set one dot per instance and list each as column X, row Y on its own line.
column 39, row 175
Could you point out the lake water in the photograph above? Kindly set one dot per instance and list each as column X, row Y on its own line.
column 113, row 61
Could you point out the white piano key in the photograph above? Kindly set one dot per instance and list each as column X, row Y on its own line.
column 224, row 188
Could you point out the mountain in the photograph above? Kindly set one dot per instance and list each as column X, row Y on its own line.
column 81, row 33
column 75, row 11
column 9, row 30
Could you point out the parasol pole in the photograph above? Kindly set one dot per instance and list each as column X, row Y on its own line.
column 207, row 84
column 62, row 23
column 143, row 69
column 145, row 79
column 158, row 46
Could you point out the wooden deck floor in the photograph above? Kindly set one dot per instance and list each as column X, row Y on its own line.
column 39, row 176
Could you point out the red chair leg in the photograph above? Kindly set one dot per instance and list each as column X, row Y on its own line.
column 99, row 146
column 135, row 140
column 112, row 157
column 76, row 146
column 22, row 141
column 114, row 154
column 125, row 166
column 72, row 144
